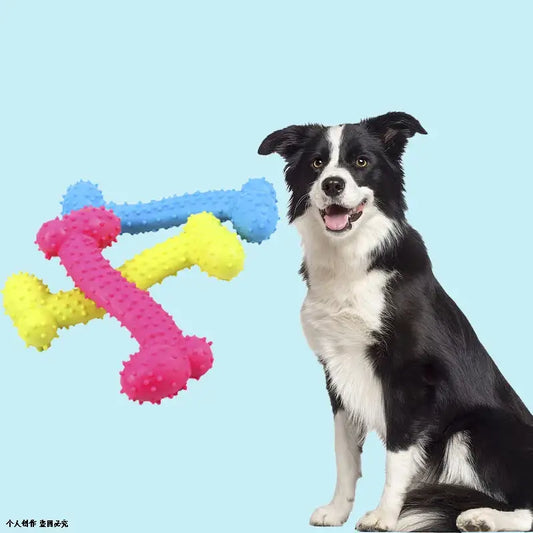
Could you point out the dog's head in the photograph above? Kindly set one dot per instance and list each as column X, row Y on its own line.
column 343, row 176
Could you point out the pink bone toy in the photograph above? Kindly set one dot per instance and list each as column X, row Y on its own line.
column 166, row 359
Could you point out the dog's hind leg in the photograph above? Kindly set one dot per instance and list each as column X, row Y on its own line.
column 502, row 449
column 501, row 446
column 487, row 519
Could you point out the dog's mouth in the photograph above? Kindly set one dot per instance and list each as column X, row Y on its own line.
column 338, row 218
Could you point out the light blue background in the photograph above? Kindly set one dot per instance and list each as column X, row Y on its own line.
column 156, row 98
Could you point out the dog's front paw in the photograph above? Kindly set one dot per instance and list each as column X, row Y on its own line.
column 377, row 520
column 477, row 520
column 331, row 515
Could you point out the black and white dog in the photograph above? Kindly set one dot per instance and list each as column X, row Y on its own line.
column 400, row 357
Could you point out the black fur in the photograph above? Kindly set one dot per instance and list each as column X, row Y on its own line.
column 436, row 375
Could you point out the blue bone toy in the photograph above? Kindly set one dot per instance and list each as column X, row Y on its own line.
column 252, row 210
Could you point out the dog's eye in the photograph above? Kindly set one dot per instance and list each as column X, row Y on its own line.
column 361, row 162
column 317, row 163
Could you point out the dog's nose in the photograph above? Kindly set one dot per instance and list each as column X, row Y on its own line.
column 333, row 186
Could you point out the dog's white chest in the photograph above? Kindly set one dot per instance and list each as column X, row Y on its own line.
column 338, row 318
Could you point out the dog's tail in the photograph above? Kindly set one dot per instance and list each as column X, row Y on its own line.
column 436, row 507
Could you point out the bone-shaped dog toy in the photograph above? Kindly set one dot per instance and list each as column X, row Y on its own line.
column 166, row 359
column 204, row 241
column 252, row 210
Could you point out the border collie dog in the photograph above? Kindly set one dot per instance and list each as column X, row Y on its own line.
column 399, row 356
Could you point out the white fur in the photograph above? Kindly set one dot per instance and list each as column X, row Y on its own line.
column 343, row 306
column 486, row 519
column 401, row 469
column 334, row 139
column 348, row 462
column 458, row 469
column 337, row 326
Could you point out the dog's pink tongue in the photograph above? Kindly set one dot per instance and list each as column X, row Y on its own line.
column 336, row 222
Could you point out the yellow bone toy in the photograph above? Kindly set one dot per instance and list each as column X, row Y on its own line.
column 204, row 241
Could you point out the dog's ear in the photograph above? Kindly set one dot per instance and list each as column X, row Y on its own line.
column 394, row 129
column 288, row 141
